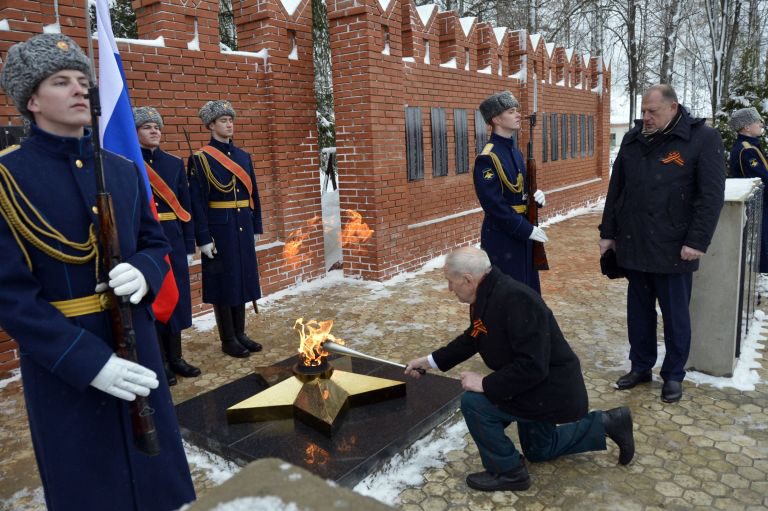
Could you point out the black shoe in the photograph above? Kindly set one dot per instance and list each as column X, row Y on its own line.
column 671, row 391
column 184, row 368
column 632, row 378
column 514, row 480
column 618, row 427
column 169, row 375
column 234, row 349
column 248, row 343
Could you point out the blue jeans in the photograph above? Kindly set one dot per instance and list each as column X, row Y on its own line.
column 540, row 441
column 673, row 291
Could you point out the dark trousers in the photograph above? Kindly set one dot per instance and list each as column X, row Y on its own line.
column 539, row 441
column 673, row 292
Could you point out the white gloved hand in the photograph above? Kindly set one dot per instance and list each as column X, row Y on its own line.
column 126, row 280
column 125, row 379
column 209, row 250
column 190, row 259
column 539, row 198
column 538, row 234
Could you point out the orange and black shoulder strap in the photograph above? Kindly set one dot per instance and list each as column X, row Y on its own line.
column 238, row 171
column 162, row 190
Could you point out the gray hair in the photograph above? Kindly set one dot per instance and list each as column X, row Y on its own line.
column 666, row 90
column 469, row 260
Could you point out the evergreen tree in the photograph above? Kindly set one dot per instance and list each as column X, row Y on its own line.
column 123, row 17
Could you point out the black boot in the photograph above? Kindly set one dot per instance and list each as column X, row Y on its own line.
column 514, row 480
column 162, row 338
column 179, row 365
column 618, row 427
column 238, row 316
column 632, row 378
column 229, row 344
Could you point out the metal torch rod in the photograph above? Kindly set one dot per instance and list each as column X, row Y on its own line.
column 343, row 350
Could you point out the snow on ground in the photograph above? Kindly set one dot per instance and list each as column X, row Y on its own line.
column 25, row 499
column 216, row 468
column 15, row 376
column 270, row 503
column 408, row 468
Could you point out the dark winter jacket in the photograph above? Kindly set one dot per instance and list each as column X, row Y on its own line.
column 536, row 375
column 748, row 160
column 664, row 193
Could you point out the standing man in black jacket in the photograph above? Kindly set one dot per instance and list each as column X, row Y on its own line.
column 535, row 381
column 664, row 200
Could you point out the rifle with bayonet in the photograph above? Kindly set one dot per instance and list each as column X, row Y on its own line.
column 539, row 254
column 123, row 334
column 121, row 318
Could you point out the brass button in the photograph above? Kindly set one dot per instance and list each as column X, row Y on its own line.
column 238, row 210
column 95, row 210
column 157, row 205
column 229, row 154
column 241, row 229
column 79, row 164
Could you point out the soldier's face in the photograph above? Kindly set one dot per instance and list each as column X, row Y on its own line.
column 149, row 135
column 657, row 111
column 59, row 104
column 754, row 130
column 508, row 120
column 223, row 127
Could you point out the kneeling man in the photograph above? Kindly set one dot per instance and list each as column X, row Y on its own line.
column 536, row 378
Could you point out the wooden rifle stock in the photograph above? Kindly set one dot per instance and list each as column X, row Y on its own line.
column 124, row 336
column 540, row 261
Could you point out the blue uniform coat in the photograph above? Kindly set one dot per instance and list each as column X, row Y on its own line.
column 232, row 277
column 505, row 232
column 665, row 193
column 181, row 235
column 82, row 436
column 748, row 160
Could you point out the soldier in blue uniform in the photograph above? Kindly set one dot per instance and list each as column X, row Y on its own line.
column 748, row 160
column 500, row 184
column 227, row 215
column 76, row 389
column 168, row 179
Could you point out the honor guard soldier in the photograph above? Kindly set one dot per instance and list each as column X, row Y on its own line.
column 227, row 215
column 77, row 390
column 748, row 160
column 168, row 180
column 501, row 186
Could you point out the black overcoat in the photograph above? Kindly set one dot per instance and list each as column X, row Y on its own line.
column 663, row 194
column 536, row 375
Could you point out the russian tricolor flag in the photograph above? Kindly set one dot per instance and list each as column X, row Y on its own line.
column 118, row 132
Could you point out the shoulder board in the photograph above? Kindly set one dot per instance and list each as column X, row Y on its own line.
column 487, row 149
column 747, row 145
column 9, row 149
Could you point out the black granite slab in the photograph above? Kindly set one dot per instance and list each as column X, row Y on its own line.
column 368, row 435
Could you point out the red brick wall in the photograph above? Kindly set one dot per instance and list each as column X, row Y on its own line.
column 276, row 123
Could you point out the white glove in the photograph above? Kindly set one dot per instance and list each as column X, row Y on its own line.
column 209, row 250
column 190, row 259
column 538, row 234
column 127, row 280
column 125, row 379
column 539, row 198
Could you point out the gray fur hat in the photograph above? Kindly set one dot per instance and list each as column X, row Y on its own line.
column 29, row 63
column 743, row 117
column 144, row 114
column 497, row 104
column 215, row 109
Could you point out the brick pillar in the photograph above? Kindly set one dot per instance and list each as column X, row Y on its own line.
column 177, row 23
column 370, row 129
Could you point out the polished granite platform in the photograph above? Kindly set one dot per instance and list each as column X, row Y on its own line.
column 366, row 437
